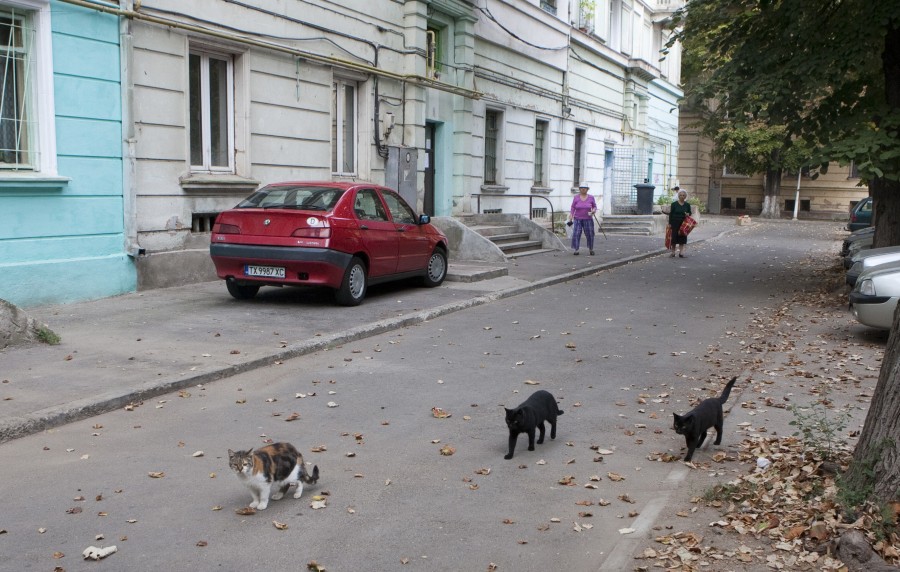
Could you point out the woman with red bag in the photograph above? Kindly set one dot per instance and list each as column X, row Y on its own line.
column 679, row 210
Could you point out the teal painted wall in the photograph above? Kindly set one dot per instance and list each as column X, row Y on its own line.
column 67, row 244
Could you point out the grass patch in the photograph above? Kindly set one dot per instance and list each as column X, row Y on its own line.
column 47, row 336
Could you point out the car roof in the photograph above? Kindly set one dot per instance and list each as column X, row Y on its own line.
column 889, row 268
column 876, row 252
column 331, row 184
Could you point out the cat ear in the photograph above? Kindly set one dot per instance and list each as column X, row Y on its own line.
column 230, row 453
column 677, row 416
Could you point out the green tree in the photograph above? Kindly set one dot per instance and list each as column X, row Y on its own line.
column 780, row 72
column 825, row 73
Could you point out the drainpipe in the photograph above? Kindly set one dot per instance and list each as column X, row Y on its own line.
column 797, row 194
column 129, row 191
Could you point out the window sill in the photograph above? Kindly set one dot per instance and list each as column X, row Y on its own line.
column 493, row 189
column 223, row 182
column 541, row 190
column 32, row 181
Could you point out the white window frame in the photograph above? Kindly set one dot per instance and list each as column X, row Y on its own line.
column 498, row 147
column 338, row 142
column 542, row 159
column 206, row 134
column 42, row 133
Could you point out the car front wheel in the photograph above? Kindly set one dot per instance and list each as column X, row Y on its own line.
column 436, row 270
column 241, row 292
column 353, row 287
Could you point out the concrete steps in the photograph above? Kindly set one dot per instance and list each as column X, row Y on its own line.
column 509, row 240
column 631, row 225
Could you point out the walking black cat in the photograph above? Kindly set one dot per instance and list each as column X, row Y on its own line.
column 695, row 423
column 531, row 414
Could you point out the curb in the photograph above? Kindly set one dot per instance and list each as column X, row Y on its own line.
column 56, row 416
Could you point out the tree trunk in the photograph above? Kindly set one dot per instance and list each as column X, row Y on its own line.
column 885, row 212
column 886, row 194
column 876, row 460
column 771, row 207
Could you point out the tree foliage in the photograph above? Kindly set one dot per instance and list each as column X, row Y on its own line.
column 818, row 75
column 819, row 78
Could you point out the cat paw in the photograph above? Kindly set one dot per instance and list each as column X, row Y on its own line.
column 254, row 504
column 508, row 457
column 262, row 506
column 532, row 447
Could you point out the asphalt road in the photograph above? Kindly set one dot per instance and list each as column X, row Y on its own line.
column 620, row 350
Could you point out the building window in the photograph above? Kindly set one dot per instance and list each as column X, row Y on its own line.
column 211, row 87
column 854, row 171
column 578, row 173
column 541, row 129
column 16, row 99
column 492, row 122
column 549, row 6
column 343, row 127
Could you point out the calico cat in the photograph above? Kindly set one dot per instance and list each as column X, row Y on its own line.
column 531, row 414
column 695, row 423
column 275, row 466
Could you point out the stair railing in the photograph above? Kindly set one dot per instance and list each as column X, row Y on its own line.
column 530, row 205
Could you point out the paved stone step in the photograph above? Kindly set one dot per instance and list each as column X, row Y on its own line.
column 474, row 272
column 488, row 231
column 521, row 246
column 530, row 252
column 499, row 239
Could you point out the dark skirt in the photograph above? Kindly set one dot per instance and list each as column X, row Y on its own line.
column 677, row 237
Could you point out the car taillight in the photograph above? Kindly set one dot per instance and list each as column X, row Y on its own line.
column 226, row 229
column 313, row 232
column 867, row 287
column 852, row 217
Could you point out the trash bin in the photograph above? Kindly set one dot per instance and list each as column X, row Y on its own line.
column 644, row 198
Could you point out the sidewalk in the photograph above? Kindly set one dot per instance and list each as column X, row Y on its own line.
column 129, row 348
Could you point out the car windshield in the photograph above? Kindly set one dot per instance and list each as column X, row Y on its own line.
column 296, row 197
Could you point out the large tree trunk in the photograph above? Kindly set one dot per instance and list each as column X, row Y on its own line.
column 886, row 212
column 878, row 449
column 876, row 460
column 771, row 207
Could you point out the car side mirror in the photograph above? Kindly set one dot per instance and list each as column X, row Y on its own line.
column 424, row 219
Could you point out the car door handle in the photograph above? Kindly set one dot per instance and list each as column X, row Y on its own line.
column 363, row 227
column 401, row 229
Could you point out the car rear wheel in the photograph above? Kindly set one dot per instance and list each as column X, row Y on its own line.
column 353, row 287
column 241, row 292
column 436, row 270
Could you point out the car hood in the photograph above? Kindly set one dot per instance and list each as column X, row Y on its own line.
column 884, row 251
column 880, row 270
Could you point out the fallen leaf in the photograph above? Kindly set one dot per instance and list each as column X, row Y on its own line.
column 279, row 525
column 292, row 417
column 615, row 477
column 531, row 382
column 440, row 413
column 245, row 511
column 156, row 474
column 447, row 450
column 202, row 543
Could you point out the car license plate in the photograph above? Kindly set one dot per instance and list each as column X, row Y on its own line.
column 264, row 271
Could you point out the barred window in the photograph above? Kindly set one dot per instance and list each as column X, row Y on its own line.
column 16, row 93
column 491, row 131
column 541, row 128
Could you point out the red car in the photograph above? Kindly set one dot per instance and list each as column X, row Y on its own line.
column 344, row 236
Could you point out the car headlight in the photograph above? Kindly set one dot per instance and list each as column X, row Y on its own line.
column 867, row 287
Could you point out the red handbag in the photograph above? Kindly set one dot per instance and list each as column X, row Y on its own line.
column 687, row 226
column 668, row 237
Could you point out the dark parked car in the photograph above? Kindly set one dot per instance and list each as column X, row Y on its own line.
column 861, row 215
column 344, row 236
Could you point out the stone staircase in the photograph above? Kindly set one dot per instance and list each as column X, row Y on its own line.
column 513, row 243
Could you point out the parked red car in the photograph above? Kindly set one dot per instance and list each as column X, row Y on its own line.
column 345, row 236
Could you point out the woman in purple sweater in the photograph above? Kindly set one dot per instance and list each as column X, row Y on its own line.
column 582, row 215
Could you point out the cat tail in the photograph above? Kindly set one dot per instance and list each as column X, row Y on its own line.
column 306, row 477
column 727, row 391
column 558, row 410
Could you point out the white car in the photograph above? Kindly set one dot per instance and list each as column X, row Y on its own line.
column 874, row 298
column 865, row 259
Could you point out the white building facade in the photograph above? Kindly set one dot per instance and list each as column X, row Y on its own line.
column 491, row 105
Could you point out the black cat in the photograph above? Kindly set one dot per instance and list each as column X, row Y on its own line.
column 531, row 414
column 695, row 423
